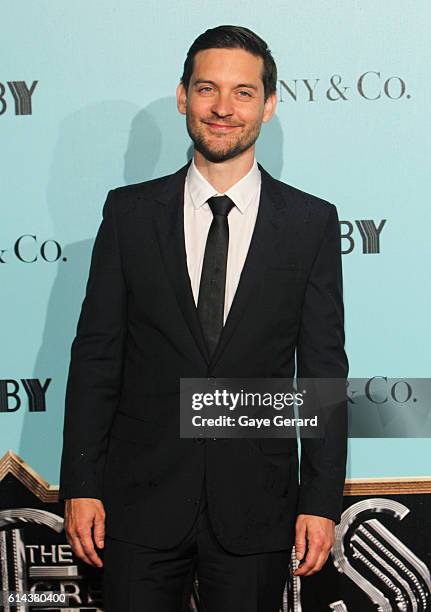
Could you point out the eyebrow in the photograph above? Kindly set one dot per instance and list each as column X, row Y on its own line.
column 201, row 81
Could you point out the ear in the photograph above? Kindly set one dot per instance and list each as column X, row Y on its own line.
column 181, row 98
column 270, row 106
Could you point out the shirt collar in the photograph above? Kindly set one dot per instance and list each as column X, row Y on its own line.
column 242, row 193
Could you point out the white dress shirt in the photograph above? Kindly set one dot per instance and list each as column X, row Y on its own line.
column 245, row 194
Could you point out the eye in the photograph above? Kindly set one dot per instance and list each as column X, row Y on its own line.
column 205, row 88
column 244, row 94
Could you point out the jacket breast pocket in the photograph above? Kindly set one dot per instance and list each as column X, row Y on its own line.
column 283, row 274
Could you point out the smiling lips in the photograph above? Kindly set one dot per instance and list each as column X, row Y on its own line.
column 222, row 127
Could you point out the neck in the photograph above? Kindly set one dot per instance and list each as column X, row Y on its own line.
column 224, row 174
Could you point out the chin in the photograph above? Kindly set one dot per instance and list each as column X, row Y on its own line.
column 219, row 155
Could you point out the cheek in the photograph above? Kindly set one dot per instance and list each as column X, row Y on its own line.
column 198, row 107
column 250, row 114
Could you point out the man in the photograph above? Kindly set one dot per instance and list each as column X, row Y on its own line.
column 217, row 270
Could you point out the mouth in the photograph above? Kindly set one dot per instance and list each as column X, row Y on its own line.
column 220, row 127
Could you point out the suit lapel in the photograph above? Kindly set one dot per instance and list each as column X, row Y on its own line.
column 270, row 216
column 170, row 230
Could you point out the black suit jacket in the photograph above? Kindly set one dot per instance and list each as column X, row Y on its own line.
column 139, row 333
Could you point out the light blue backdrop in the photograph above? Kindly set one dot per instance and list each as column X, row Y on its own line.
column 103, row 114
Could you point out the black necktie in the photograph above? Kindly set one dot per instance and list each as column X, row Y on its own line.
column 213, row 276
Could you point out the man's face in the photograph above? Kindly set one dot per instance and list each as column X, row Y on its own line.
column 225, row 104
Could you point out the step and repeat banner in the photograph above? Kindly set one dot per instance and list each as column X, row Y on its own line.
column 87, row 103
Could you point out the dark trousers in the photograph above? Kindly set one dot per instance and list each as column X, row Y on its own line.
column 142, row 579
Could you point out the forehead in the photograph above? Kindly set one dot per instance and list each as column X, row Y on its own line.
column 227, row 65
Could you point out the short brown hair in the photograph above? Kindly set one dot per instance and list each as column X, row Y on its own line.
column 233, row 37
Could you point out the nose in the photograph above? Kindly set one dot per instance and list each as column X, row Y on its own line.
column 222, row 106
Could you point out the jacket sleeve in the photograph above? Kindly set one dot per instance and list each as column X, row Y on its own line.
column 321, row 355
column 95, row 372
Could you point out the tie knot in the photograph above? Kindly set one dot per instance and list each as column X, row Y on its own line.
column 221, row 205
